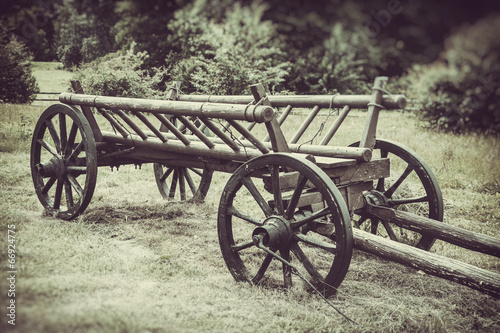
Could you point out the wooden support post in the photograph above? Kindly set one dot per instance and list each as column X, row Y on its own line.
column 305, row 124
column 431, row 263
column 113, row 122
column 196, row 131
column 87, row 111
column 152, row 127
column 335, row 126
column 132, row 125
column 249, row 136
column 172, row 95
column 374, row 107
column 172, row 128
column 281, row 120
column 278, row 141
column 219, row 133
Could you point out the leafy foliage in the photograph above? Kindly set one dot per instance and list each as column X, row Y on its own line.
column 17, row 84
column 120, row 74
column 462, row 93
column 232, row 54
column 85, row 34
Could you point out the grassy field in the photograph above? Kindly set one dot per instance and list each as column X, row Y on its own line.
column 136, row 263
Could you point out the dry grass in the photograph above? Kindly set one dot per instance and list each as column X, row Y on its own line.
column 136, row 263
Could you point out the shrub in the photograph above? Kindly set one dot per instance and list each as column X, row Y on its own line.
column 461, row 94
column 120, row 74
column 17, row 84
column 84, row 35
column 232, row 54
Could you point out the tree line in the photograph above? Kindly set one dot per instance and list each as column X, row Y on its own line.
column 305, row 47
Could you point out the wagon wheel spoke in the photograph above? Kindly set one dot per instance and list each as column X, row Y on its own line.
column 75, row 185
column 275, row 180
column 54, row 135
column 182, row 184
column 301, row 183
column 46, row 188
column 166, row 174
column 316, row 242
column 235, row 212
column 249, row 184
column 190, row 181
column 406, row 201
column 74, row 154
column 262, row 269
column 48, row 147
column 63, row 133
column 199, row 173
column 76, row 170
column 173, row 184
column 314, row 216
column 58, row 195
column 287, row 270
column 313, row 272
column 69, row 193
column 374, row 225
column 71, row 138
column 390, row 191
column 390, row 232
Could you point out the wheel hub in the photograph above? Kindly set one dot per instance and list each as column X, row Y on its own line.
column 276, row 232
column 54, row 168
column 375, row 198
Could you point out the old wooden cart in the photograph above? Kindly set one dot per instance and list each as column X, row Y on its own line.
column 285, row 201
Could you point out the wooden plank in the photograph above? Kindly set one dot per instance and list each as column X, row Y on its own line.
column 87, row 111
column 278, row 141
column 375, row 169
column 431, row 263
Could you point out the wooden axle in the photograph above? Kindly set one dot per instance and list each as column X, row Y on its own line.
column 252, row 113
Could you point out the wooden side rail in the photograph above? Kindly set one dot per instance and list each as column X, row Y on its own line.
column 390, row 102
column 251, row 113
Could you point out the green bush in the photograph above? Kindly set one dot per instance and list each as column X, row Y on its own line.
column 460, row 92
column 17, row 84
column 83, row 34
column 230, row 55
column 120, row 74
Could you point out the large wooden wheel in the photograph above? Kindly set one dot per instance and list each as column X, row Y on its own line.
column 63, row 161
column 411, row 187
column 296, row 211
column 181, row 183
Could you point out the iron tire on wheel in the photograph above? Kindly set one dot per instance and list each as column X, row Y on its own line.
column 63, row 161
column 422, row 197
column 323, row 245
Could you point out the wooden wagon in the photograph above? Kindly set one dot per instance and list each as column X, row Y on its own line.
column 285, row 202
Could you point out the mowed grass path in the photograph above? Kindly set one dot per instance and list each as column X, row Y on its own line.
column 136, row 263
